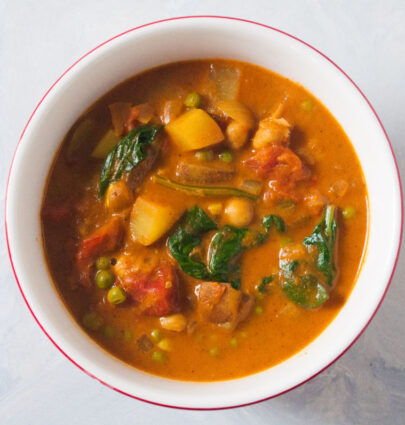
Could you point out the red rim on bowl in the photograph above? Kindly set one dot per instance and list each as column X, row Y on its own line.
column 272, row 29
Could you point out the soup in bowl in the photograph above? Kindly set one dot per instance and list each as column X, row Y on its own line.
column 213, row 221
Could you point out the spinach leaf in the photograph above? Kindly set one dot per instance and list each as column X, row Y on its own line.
column 204, row 190
column 263, row 285
column 273, row 220
column 324, row 237
column 305, row 290
column 188, row 236
column 225, row 249
column 126, row 155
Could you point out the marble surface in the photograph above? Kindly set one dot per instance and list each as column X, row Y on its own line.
column 38, row 41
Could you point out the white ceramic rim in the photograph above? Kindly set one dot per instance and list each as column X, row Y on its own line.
column 162, row 397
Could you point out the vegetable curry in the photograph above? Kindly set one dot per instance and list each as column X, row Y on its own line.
column 205, row 220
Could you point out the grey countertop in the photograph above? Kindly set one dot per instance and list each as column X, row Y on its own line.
column 38, row 41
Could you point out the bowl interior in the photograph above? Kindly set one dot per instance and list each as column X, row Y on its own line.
column 186, row 39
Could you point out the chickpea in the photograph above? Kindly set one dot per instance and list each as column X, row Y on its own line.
column 237, row 134
column 239, row 212
column 272, row 131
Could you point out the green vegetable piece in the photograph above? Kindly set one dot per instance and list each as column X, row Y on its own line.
column 305, row 290
column 273, row 221
column 156, row 335
column 157, row 356
column 188, row 236
column 289, row 268
column 252, row 186
column 193, row 100
column 92, row 321
column 127, row 336
column 104, row 279
column 348, row 212
column 225, row 249
column 214, row 352
column 102, row 263
column 259, row 310
column 226, row 157
column 204, row 155
column 126, row 155
column 288, row 204
column 324, row 237
column 204, row 190
column 116, row 295
column 109, row 332
column 233, row 342
column 263, row 285
column 307, row 105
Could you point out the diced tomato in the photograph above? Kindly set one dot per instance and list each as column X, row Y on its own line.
column 156, row 293
column 264, row 160
column 282, row 167
column 275, row 158
column 57, row 213
column 105, row 239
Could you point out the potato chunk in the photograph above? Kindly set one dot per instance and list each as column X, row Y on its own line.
column 104, row 146
column 151, row 220
column 195, row 129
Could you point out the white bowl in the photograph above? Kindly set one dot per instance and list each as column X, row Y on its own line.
column 169, row 41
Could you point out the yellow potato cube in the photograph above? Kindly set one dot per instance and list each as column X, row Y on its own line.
column 194, row 129
column 104, row 146
column 151, row 220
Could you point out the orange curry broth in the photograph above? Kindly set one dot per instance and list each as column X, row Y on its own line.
column 263, row 340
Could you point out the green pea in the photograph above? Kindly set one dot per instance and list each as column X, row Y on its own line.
column 92, row 321
column 156, row 334
column 127, row 336
column 104, row 279
column 225, row 157
column 348, row 212
column 102, row 263
column 157, row 356
column 109, row 332
column 307, row 105
column 259, row 310
column 233, row 342
column 193, row 100
column 204, row 155
column 116, row 295
column 214, row 351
